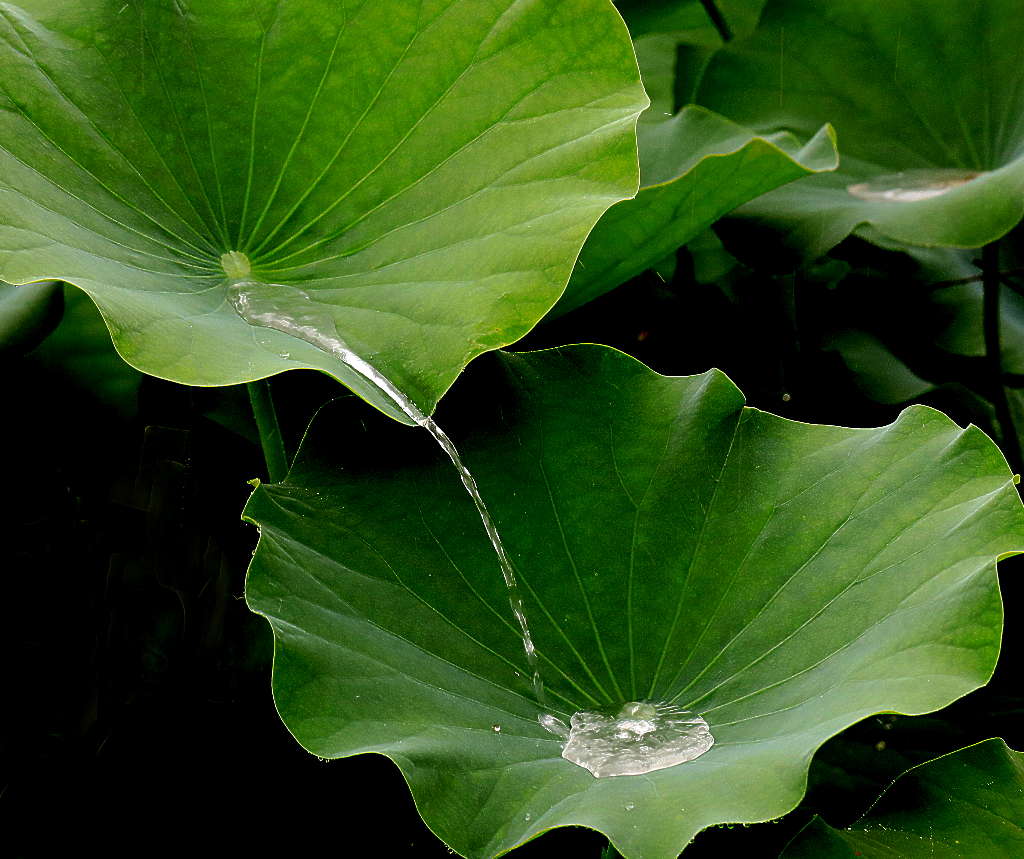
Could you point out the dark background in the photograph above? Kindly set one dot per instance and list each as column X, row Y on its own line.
column 138, row 718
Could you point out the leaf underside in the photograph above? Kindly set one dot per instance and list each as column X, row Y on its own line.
column 967, row 803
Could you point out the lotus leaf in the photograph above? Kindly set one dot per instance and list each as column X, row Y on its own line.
column 427, row 170
column 781, row 579
column 927, row 105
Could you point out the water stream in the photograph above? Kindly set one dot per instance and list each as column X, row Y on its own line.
column 636, row 738
column 262, row 306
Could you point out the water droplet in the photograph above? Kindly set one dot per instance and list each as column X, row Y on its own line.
column 527, row 817
column 496, row 728
column 630, row 806
column 639, row 738
column 911, row 186
column 554, row 725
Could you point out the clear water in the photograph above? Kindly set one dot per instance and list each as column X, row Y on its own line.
column 554, row 725
column 292, row 311
column 912, row 185
column 640, row 737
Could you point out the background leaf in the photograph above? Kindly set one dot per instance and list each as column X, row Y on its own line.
column 908, row 85
column 782, row 579
column 427, row 170
column 695, row 167
column 968, row 803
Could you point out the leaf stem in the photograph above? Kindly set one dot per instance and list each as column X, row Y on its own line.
column 718, row 19
column 991, row 283
column 975, row 278
column 270, row 431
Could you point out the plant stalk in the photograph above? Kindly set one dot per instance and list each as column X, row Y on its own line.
column 271, row 440
column 992, row 285
column 960, row 281
column 718, row 19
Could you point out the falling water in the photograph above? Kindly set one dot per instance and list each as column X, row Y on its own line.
column 636, row 738
column 260, row 304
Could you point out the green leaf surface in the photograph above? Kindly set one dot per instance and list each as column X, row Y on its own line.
column 695, row 167
column 783, row 580
column 426, row 170
column 964, row 804
column 908, row 85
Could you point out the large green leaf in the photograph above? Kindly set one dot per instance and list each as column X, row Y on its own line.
column 965, row 804
column 426, row 169
column 909, row 85
column 695, row 167
column 783, row 580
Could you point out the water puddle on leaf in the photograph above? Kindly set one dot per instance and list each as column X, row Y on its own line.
column 911, row 186
column 640, row 737
column 293, row 311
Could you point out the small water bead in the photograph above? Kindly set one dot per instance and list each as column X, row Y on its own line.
column 496, row 728
column 910, row 186
column 640, row 737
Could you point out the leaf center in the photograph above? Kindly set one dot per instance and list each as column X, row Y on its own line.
column 236, row 265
